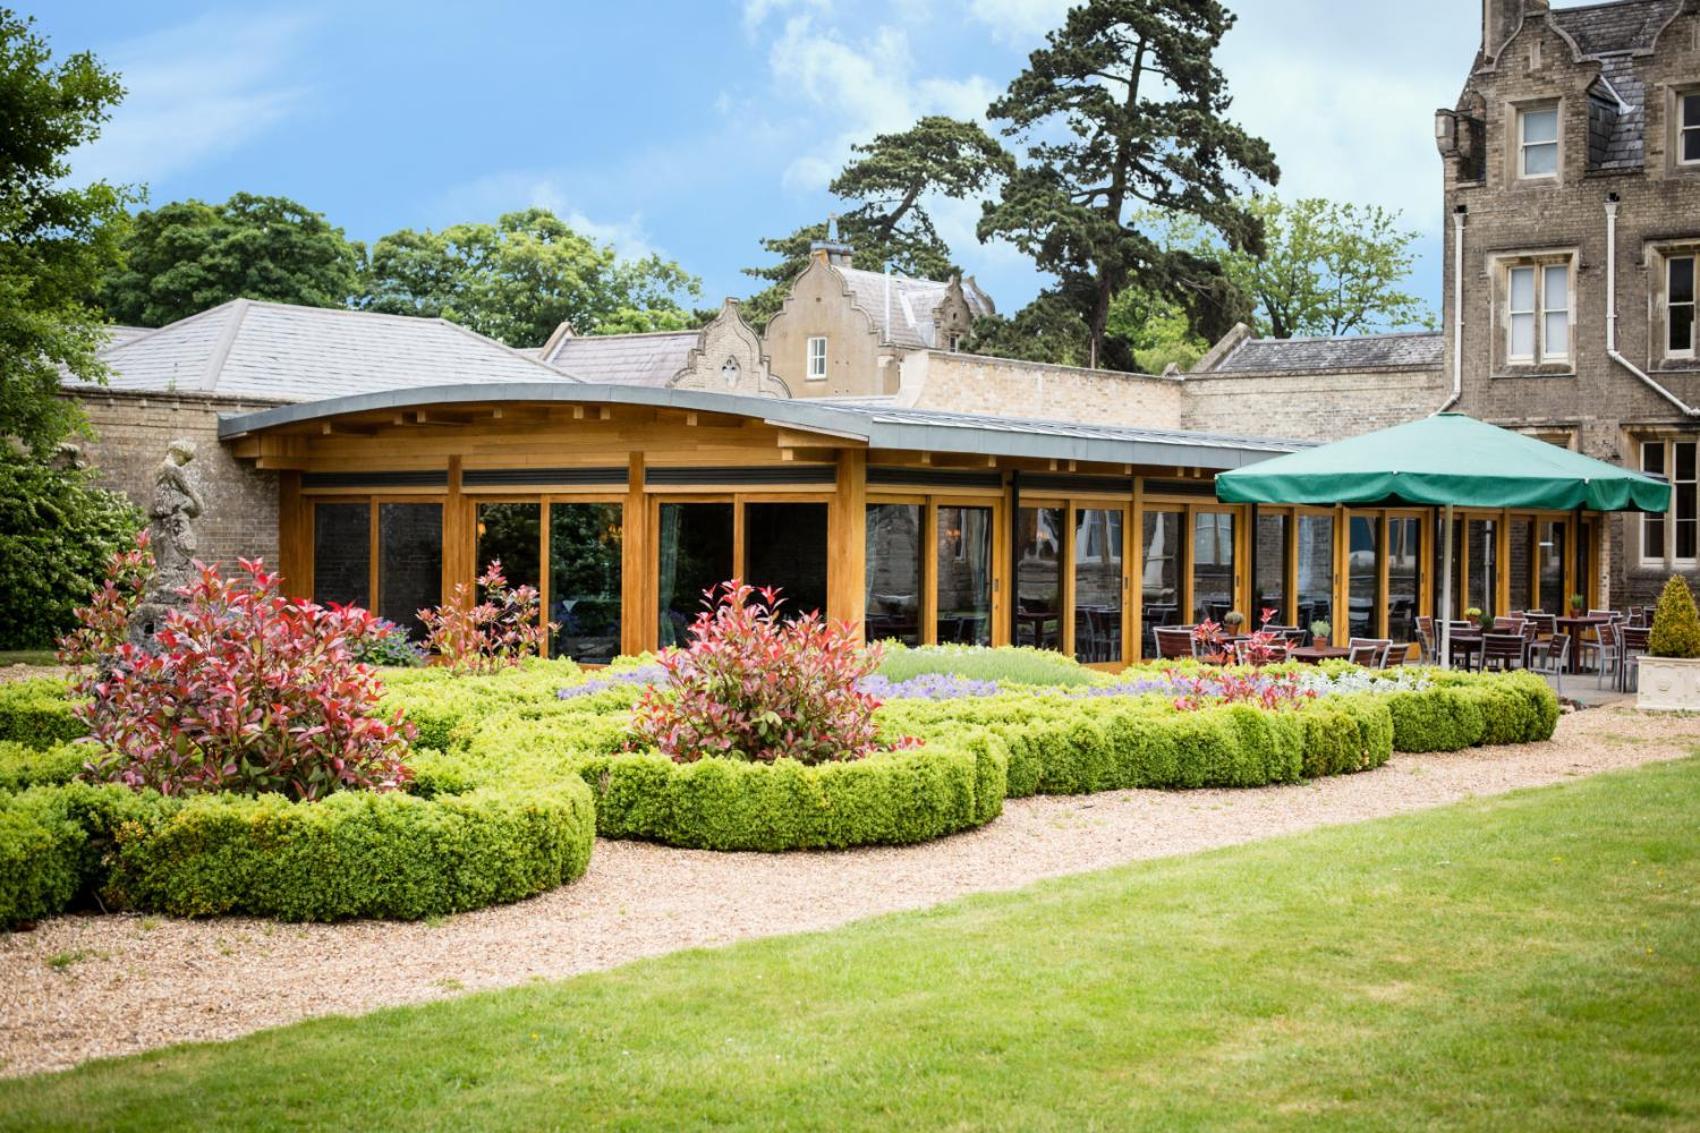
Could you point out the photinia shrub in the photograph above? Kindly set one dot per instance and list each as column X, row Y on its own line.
column 243, row 690
column 753, row 686
column 502, row 630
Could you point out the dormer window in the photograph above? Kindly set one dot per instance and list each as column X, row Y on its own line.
column 817, row 359
column 1537, row 142
column 1688, row 129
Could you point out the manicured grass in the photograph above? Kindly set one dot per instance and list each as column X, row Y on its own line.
column 1529, row 962
column 1020, row 666
column 28, row 657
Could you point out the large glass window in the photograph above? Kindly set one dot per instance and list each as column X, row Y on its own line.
column 1537, row 313
column 342, row 554
column 785, row 547
column 1653, row 523
column 1524, row 551
column 584, row 580
column 1482, row 577
column 1038, row 612
column 965, row 575
column 1098, row 584
column 1315, row 581
column 1212, row 565
column 894, row 579
column 1161, row 546
column 1679, row 304
column 512, row 534
column 1363, row 575
column 695, row 554
column 1404, row 576
column 1553, row 598
column 410, row 562
column 1269, row 571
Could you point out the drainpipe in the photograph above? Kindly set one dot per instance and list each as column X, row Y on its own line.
column 1458, row 215
column 1611, row 314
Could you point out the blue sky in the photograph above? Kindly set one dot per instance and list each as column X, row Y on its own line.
column 695, row 128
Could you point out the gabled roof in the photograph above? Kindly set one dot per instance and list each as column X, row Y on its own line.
column 1353, row 353
column 1621, row 26
column 627, row 359
column 280, row 352
column 1618, row 36
column 902, row 308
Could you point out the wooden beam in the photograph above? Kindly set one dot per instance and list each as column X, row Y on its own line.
column 344, row 429
column 847, row 541
column 638, row 596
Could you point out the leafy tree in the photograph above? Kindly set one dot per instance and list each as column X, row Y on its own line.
column 56, row 530
column 1328, row 269
column 186, row 256
column 1124, row 107
column 889, row 225
column 55, row 240
column 520, row 278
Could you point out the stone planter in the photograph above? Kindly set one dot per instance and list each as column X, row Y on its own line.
column 1669, row 684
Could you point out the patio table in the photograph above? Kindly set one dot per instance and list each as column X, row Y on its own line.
column 1575, row 625
column 1313, row 654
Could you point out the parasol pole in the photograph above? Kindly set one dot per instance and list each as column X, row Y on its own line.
column 1446, row 590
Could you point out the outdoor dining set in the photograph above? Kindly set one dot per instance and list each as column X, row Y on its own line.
column 1609, row 642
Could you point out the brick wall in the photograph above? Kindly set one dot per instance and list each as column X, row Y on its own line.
column 971, row 383
column 132, row 433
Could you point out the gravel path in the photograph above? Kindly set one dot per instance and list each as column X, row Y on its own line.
column 79, row 987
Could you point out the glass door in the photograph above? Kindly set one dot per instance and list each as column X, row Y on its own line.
column 964, row 569
column 1099, row 582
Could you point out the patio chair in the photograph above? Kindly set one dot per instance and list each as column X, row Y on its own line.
column 1174, row 643
column 1370, row 652
column 1425, row 635
column 1502, row 651
column 1607, row 652
column 1512, row 624
column 1634, row 648
column 1545, row 624
column 1551, row 658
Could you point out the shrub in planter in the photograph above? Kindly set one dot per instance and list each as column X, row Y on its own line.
column 501, row 630
column 1676, row 624
column 752, row 685
column 243, row 690
column 38, row 713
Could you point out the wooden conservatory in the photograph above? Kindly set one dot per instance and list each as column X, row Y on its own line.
column 621, row 504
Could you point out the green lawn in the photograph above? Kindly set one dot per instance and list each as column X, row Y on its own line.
column 28, row 657
column 1529, row 962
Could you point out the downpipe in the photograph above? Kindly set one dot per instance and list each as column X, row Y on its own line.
column 1611, row 316
column 1457, row 309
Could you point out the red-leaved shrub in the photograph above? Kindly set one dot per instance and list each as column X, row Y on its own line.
column 243, row 690
column 502, row 630
column 754, row 686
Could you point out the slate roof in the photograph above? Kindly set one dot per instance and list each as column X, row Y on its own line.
column 1618, row 36
column 1366, row 352
column 628, row 359
column 279, row 352
column 911, row 306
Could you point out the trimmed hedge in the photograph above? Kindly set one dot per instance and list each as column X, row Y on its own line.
column 23, row 766
column 52, row 844
column 37, row 713
column 1464, row 710
column 891, row 799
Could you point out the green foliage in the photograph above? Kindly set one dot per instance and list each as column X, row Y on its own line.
column 890, row 180
column 57, row 533
column 1676, row 625
column 1125, row 107
column 187, row 256
column 520, row 278
column 55, row 240
column 38, row 713
column 354, row 854
column 893, row 798
column 1463, row 710
column 23, row 766
column 1023, row 665
column 41, row 855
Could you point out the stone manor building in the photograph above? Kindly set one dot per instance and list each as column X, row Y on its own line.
column 1569, row 176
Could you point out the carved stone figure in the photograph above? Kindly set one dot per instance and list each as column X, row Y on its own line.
column 176, row 504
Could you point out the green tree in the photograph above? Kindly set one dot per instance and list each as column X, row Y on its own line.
column 1125, row 107
column 1328, row 269
column 520, row 278
column 56, row 240
column 888, row 224
column 186, row 256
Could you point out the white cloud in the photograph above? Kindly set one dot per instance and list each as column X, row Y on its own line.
column 487, row 197
column 195, row 91
column 1020, row 21
column 756, row 12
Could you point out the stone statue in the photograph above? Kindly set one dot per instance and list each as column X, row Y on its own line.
column 175, row 504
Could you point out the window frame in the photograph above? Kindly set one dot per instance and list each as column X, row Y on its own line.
column 1539, row 265
column 1672, row 520
column 1523, row 145
column 1685, row 128
column 811, row 355
column 1671, row 259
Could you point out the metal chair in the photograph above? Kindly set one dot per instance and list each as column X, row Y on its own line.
column 1174, row 643
column 1545, row 624
column 1607, row 651
column 1502, row 651
column 1370, row 652
column 1634, row 647
column 1551, row 658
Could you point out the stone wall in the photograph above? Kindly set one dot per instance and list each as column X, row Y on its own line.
column 132, row 433
column 972, row 383
column 1310, row 407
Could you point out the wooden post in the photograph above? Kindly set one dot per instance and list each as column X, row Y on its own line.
column 1065, row 579
column 1133, row 566
column 637, row 564
column 460, row 535
column 847, row 541
column 294, row 536
column 929, row 572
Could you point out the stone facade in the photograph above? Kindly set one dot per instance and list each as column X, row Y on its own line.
column 132, row 433
column 971, row 383
column 1322, row 406
column 728, row 357
column 1614, row 74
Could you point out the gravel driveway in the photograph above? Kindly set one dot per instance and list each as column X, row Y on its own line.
column 79, row 987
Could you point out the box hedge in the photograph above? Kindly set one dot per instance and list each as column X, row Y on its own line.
column 23, row 766
column 38, row 713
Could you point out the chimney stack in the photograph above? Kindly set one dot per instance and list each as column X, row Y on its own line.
column 1502, row 18
column 832, row 250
